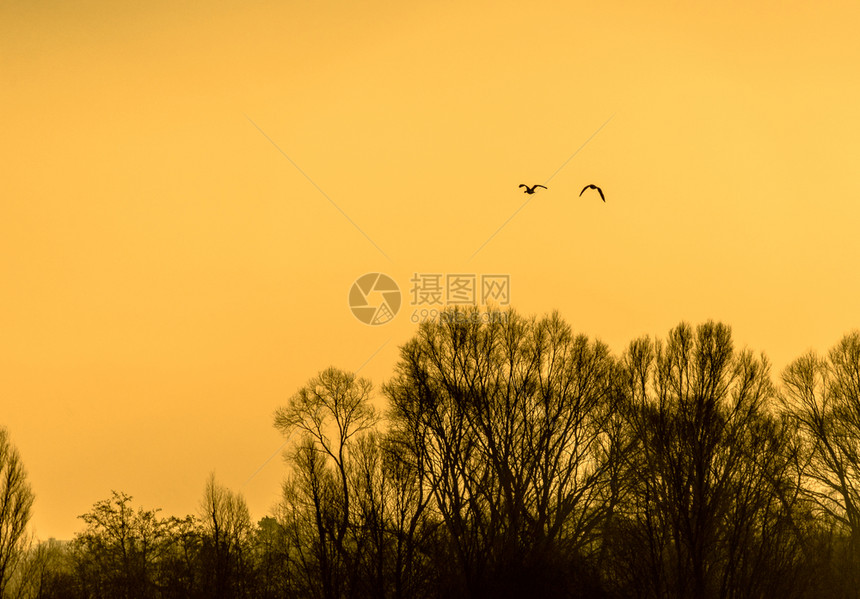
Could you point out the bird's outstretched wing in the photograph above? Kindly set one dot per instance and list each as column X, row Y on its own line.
column 524, row 185
column 544, row 186
column 593, row 186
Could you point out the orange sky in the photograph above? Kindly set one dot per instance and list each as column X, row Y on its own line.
column 168, row 278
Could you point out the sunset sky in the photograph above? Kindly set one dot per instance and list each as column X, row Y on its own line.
column 188, row 192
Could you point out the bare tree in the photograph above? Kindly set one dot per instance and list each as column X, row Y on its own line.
column 45, row 572
column 408, row 521
column 16, row 501
column 271, row 557
column 822, row 398
column 710, row 512
column 330, row 412
column 226, row 530
column 309, row 513
column 118, row 552
column 508, row 418
column 179, row 569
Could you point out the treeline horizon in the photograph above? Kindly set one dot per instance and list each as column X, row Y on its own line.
column 513, row 458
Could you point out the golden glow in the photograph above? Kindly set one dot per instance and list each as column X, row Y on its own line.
column 168, row 278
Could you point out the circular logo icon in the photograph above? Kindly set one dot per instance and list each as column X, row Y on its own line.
column 374, row 298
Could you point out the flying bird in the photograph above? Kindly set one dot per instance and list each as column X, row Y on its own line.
column 600, row 191
column 530, row 190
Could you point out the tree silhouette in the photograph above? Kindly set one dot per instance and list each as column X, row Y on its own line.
column 330, row 412
column 116, row 555
column 712, row 497
column 226, row 528
column 506, row 418
column 822, row 398
column 16, row 502
column 516, row 458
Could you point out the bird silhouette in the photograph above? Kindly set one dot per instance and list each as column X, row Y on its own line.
column 600, row 191
column 530, row 190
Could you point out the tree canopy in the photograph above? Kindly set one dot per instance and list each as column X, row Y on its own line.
column 506, row 457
